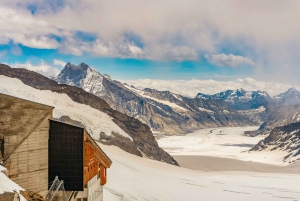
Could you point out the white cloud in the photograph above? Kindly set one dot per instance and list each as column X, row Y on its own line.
column 266, row 31
column 170, row 52
column 192, row 87
column 21, row 27
column 59, row 63
column 42, row 68
column 229, row 60
column 130, row 50
column 99, row 48
column 39, row 42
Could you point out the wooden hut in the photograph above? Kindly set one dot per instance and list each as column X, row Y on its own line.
column 35, row 149
column 77, row 160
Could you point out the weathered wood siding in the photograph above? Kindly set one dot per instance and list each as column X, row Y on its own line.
column 24, row 131
column 28, row 164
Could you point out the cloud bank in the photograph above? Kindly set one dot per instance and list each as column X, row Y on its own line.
column 42, row 68
column 265, row 32
column 229, row 60
column 190, row 88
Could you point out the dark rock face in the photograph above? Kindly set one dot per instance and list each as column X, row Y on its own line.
column 140, row 133
column 163, row 111
column 68, row 120
column 284, row 138
column 118, row 140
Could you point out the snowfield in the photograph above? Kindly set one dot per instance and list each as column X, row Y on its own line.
column 7, row 185
column 227, row 142
column 134, row 178
column 94, row 120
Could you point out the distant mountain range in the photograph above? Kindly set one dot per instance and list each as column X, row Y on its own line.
column 172, row 113
column 290, row 97
column 163, row 111
column 241, row 99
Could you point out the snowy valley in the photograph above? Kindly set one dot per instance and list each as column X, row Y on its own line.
column 215, row 162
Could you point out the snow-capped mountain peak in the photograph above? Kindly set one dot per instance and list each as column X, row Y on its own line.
column 290, row 97
column 81, row 76
column 161, row 110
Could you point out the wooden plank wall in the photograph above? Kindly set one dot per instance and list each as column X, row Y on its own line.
column 91, row 165
column 28, row 165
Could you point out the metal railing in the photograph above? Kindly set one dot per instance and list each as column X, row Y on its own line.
column 57, row 190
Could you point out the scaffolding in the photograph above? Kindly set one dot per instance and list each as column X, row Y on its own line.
column 57, row 191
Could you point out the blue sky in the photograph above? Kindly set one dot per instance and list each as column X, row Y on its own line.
column 125, row 68
column 221, row 40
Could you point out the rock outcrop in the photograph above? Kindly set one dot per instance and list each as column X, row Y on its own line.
column 285, row 138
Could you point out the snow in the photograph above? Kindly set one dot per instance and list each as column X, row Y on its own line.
column 205, row 110
column 296, row 114
column 135, row 178
column 92, row 82
column 2, row 168
column 177, row 97
column 170, row 104
column 253, row 114
column 94, row 120
column 227, row 142
column 260, row 109
column 7, row 185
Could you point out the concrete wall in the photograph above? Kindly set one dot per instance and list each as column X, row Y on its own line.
column 92, row 192
column 28, row 164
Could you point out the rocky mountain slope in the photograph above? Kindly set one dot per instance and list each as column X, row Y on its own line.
column 290, row 97
column 163, row 111
column 284, row 139
column 143, row 142
column 240, row 99
column 255, row 105
column 283, row 109
column 259, row 107
column 282, row 115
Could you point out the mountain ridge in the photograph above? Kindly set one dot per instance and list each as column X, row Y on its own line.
column 141, row 134
column 284, row 138
column 163, row 111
